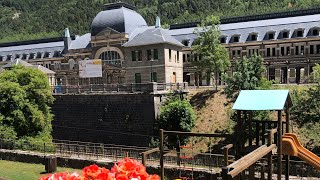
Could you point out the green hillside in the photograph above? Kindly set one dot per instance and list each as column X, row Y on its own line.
column 31, row 19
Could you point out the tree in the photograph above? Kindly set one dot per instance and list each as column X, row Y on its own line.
column 306, row 103
column 214, row 57
column 247, row 75
column 25, row 96
column 176, row 115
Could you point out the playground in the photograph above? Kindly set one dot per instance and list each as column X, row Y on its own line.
column 256, row 149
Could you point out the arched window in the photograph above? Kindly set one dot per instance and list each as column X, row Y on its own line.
column 110, row 57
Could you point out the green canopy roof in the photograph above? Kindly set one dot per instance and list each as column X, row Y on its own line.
column 259, row 100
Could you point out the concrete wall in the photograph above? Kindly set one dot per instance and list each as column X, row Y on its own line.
column 125, row 119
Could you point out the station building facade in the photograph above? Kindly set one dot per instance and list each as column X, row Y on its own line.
column 133, row 52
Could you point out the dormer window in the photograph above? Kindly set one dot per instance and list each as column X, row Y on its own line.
column 235, row 38
column 270, row 36
column 17, row 56
column 24, row 56
column 299, row 33
column 315, row 32
column 223, row 40
column 46, row 54
column 185, row 42
column 31, row 56
column 253, row 37
column 38, row 55
column 285, row 34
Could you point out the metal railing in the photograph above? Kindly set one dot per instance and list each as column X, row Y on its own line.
column 114, row 88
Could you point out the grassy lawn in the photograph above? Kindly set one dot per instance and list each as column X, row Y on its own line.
column 23, row 171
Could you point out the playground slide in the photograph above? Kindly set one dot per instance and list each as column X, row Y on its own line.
column 291, row 146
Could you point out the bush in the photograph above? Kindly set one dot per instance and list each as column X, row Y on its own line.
column 176, row 115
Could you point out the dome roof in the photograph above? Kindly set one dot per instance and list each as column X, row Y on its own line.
column 117, row 17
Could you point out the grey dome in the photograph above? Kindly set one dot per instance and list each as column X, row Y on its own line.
column 121, row 19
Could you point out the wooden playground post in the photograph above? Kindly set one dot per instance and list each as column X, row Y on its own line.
column 279, row 145
column 270, row 137
column 238, row 133
column 287, row 158
column 250, row 128
column 161, row 155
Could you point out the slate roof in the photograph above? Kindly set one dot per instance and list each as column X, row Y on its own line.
column 81, row 42
column 17, row 62
column 51, row 47
column 152, row 36
column 121, row 20
column 43, row 69
column 261, row 27
column 25, row 64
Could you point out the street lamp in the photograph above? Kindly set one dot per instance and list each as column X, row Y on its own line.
column 151, row 61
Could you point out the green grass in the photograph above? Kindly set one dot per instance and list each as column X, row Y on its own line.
column 23, row 171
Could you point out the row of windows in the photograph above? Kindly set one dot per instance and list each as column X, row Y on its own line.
column 38, row 55
column 152, row 54
column 283, row 51
column 271, row 35
column 153, row 77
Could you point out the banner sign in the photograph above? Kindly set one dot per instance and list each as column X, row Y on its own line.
column 90, row 68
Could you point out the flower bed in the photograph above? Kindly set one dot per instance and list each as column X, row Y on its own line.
column 127, row 169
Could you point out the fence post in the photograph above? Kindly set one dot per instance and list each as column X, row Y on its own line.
column 144, row 159
column 91, row 88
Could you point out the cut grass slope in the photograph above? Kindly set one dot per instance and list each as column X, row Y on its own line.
column 11, row 170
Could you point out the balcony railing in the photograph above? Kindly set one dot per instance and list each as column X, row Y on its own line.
column 120, row 88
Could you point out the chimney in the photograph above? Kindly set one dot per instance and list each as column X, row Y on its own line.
column 67, row 40
column 158, row 23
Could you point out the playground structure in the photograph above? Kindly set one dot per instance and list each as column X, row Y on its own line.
column 254, row 141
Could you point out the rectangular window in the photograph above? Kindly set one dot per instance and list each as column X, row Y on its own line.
column 273, row 51
column 155, row 54
column 169, row 55
column 268, row 52
column 153, row 77
column 178, row 57
column 239, row 53
column 188, row 58
column 184, row 57
column 311, row 49
column 302, row 50
column 233, row 53
column 318, row 49
column 282, row 51
column 133, row 55
column 139, row 55
column 149, row 54
column 315, row 32
column 137, row 78
column 285, row 34
column 288, row 51
column 297, row 50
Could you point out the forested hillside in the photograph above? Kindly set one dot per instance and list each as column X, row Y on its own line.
column 31, row 19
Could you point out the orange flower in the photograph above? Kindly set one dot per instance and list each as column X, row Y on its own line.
column 94, row 172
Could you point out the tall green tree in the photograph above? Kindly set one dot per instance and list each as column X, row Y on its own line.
column 247, row 75
column 25, row 99
column 214, row 57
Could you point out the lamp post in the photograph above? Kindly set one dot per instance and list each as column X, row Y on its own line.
column 151, row 61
